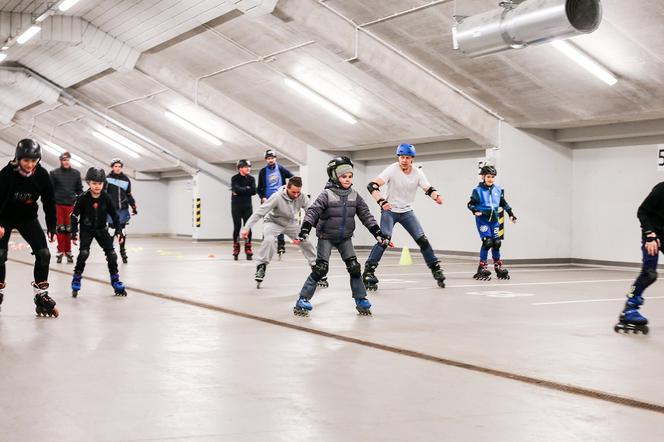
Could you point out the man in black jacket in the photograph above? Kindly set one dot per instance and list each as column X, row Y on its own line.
column 651, row 216
column 118, row 187
column 67, row 186
column 270, row 179
column 243, row 186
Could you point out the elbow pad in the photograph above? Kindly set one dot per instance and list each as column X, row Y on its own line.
column 373, row 187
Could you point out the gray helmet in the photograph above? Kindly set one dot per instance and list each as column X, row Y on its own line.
column 270, row 153
column 115, row 161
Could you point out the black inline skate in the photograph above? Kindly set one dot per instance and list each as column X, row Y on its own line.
column 483, row 272
column 369, row 277
column 501, row 272
column 44, row 304
column 260, row 274
column 437, row 273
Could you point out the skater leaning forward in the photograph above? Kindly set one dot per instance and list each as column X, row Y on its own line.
column 270, row 179
column 651, row 217
column 484, row 202
column 333, row 215
column 281, row 212
column 402, row 180
column 22, row 182
column 91, row 211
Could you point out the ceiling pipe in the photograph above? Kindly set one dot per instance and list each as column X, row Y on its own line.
column 519, row 24
column 186, row 166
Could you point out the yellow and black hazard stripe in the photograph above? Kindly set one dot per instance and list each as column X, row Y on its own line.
column 501, row 223
column 197, row 212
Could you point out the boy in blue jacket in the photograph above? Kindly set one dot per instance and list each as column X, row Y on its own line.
column 484, row 202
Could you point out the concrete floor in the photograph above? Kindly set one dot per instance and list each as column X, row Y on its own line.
column 150, row 368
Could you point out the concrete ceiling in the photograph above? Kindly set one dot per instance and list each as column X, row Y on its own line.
column 122, row 64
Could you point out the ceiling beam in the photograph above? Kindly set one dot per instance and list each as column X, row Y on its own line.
column 632, row 129
column 385, row 61
column 423, row 149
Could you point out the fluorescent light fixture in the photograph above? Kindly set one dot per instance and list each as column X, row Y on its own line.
column 65, row 5
column 114, row 143
column 2, row 56
column 190, row 126
column 321, row 101
column 27, row 35
column 120, row 139
column 585, row 62
column 57, row 151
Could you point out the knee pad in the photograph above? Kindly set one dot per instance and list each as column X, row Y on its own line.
column 354, row 268
column 83, row 254
column 111, row 255
column 319, row 270
column 68, row 228
column 487, row 243
column 43, row 255
column 648, row 277
column 423, row 242
column 60, row 228
column 3, row 256
column 497, row 243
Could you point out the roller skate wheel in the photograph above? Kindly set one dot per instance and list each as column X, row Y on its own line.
column 74, row 293
column 258, row 284
column 363, row 312
column 441, row 284
column 300, row 311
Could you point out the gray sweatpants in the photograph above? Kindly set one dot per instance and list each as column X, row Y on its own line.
column 269, row 247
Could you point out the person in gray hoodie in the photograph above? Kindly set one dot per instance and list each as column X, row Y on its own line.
column 280, row 212
column 333, row 215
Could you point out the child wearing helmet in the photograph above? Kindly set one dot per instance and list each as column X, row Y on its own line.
column 91, row 211
column 22, row 182
column 243, row 187
column 118, row 187
column 333, row 214
column 484, row 202
column 402, row 180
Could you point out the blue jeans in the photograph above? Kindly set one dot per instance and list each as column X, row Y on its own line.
column 488, row 229
column 412, row 225
column 347, row 251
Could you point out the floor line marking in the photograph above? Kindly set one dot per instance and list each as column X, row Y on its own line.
column 507, row 284
column 580, row 301
column 551, row 385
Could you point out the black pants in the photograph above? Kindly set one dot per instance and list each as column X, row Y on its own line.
column 105, row 241
column 240, row 214
column 32, row 232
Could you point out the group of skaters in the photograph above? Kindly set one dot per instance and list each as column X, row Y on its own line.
column 333, row 214
column 72, row 215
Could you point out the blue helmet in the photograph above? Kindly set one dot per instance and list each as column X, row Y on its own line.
column 406, row 149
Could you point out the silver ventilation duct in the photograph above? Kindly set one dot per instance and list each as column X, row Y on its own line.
column 517, row 25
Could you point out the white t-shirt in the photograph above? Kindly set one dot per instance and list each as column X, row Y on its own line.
column 401, row 188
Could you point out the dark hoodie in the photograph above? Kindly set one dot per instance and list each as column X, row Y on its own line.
column 19, row 195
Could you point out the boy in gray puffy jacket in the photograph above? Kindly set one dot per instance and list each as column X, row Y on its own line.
column 333, row 215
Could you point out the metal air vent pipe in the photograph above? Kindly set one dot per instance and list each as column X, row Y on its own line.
column 517, row 25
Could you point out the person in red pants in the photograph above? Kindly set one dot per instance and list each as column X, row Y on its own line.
column 67, row 186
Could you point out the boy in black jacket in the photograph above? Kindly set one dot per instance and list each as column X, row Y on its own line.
column 22, row 182
column 92, row 209
column 651, row 216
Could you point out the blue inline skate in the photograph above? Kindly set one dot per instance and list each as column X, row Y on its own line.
column 363, row 306
column 630, row 319
column 302, row 307
column 118, row 286
column 76, row 284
